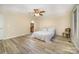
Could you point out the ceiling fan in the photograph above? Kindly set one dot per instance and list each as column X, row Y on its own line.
column 38, row 12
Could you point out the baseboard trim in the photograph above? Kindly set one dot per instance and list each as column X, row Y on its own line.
column 15, row 36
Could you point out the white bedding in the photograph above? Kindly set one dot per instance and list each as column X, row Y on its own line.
column 45, row 34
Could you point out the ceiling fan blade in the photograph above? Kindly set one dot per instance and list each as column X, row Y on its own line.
column 41, row 14
column 36, row 10
column 42, row 11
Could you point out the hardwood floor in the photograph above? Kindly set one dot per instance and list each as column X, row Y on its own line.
column 27, row 45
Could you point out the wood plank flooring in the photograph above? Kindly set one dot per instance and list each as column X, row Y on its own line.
column 28, row 45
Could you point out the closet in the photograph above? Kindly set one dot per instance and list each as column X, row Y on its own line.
column 75, row 26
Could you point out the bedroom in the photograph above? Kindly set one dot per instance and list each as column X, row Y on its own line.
column 15, row 30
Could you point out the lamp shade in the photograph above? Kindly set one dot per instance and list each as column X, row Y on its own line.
column 36, row 14
column 32, row 22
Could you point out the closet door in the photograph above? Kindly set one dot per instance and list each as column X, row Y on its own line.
column 1, row 27
column 78, row 24
column 75, row 22
column 75, row 26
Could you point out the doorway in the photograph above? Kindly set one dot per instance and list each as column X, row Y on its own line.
column 1, row 27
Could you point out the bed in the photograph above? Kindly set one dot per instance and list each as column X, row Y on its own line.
column 46, row 34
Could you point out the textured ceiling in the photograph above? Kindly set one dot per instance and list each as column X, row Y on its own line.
column 53, row 9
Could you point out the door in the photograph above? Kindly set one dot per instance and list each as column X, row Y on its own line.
column 1, row 27
column 75, row 28
column 75, row 23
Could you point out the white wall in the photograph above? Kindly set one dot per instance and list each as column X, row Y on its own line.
column 18, row 18
column 17, row 24
column 58, row 22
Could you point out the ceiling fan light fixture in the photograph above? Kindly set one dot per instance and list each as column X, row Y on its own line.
column 36, row 14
